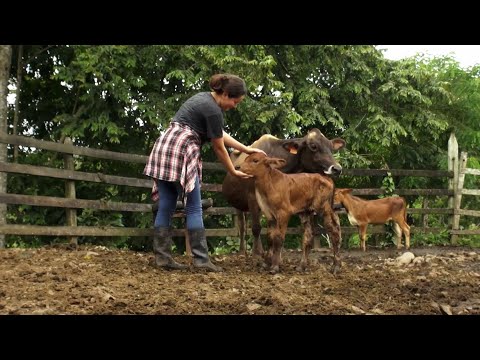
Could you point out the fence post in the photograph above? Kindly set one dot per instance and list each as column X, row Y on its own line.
column 70, row 193
column 458, row 197
column 424, row 217
column 452, row 166
column 3, row 188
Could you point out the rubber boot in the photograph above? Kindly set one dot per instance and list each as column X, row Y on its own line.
column 162, row 248
column 198, row 243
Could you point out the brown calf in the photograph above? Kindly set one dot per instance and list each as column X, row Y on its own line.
column 281, row 195
column 362, row 212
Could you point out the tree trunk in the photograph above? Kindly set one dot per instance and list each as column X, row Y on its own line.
column 17, row 99
column 5, row 61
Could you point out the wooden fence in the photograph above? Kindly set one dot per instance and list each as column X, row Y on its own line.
column 456, row 173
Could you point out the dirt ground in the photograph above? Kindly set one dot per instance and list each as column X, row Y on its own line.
column 98, row 280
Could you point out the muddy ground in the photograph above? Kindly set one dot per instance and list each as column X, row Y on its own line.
column 98, row 280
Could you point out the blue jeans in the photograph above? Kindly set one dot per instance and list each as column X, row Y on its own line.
column 168, row 192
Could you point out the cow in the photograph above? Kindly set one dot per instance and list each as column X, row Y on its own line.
column 362, row 212
column 312, row 153
column 281, row 195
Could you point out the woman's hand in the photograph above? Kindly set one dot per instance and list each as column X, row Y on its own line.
column 242, row 175
column 251, row 150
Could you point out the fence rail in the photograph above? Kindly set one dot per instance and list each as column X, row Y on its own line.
column 455, row 174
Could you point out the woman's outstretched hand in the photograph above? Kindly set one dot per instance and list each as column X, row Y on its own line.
column 242, row 175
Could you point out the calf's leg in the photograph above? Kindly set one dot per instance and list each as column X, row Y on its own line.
column 241, row 230
column 277, row 235
column 331, row 222
column 268, row 256
column 256, row 229
column 362, row 231
column 398, row 234
column 406, row 231
column 307, row 221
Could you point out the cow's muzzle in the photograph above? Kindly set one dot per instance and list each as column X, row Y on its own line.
column 334, row 170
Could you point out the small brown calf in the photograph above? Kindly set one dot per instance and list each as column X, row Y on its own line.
column 362, row 212
column 281, row 195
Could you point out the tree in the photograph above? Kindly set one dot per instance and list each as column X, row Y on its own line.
column 5, row 60
column 118, row 97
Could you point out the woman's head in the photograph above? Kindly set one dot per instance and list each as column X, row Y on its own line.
column 230, row 89
column 228, row 84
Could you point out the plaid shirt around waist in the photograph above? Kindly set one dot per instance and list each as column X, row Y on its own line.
column 175, row 157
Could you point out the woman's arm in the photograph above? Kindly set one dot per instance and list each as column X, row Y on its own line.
column 222, row 155
column 231, row 142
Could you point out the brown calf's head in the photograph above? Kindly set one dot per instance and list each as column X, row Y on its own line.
column 317, row 153
column 257, row 164
column 340, row 195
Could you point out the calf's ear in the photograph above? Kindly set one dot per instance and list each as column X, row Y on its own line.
column 276, row 163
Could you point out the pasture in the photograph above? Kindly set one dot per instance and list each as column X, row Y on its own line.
column 98, row 280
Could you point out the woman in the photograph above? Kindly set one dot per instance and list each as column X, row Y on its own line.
column 176, row 166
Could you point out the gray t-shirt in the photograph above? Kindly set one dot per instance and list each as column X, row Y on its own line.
column 202, row 114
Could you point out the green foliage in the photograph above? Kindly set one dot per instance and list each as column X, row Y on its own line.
column 392, row 114
column 425, row 239
column 22, row 242
column 388, row 185
column 293, row 241
column 352, row 241
column 470, row 240
column 229, row 245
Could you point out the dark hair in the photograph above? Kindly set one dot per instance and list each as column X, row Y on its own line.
column 230, row 84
